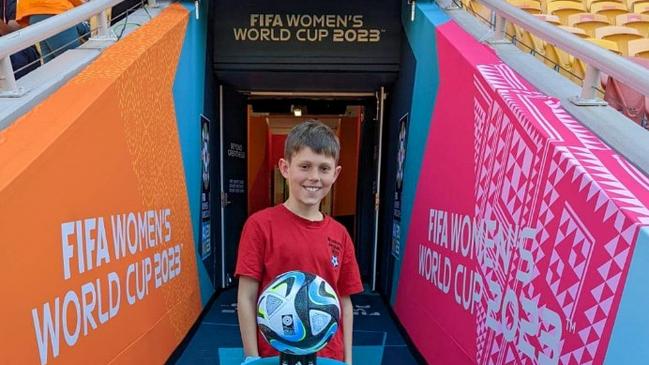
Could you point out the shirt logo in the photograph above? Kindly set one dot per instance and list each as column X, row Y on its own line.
column 334, row 261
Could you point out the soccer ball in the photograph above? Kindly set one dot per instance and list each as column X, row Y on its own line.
column 298, row 313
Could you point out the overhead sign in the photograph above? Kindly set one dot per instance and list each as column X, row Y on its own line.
column 295, row 32
column 307, row 28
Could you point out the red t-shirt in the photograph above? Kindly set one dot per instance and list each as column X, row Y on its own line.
column 275, row 240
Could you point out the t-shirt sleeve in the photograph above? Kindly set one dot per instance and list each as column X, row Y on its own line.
column 250, row 256
column 349, row 281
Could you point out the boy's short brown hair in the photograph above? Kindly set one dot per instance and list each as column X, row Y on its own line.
column 315, row 135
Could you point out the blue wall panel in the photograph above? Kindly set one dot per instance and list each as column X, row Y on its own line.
column 421, row 35
column 189, row 94
column 629, row 342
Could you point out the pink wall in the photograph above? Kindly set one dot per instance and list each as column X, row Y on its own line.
column 523, row 223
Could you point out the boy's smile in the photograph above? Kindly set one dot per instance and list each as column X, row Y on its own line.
column 309, row 176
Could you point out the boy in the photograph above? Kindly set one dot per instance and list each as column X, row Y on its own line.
column 295, row 235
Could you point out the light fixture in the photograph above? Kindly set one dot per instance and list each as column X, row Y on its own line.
column 297, row 111
column 412, row 4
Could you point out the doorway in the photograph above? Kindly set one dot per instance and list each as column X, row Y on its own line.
column 268, row 120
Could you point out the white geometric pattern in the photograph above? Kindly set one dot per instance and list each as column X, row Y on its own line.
column 535, row 166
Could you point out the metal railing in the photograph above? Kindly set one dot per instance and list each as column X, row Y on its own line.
column 594, row 57
column 26, row 37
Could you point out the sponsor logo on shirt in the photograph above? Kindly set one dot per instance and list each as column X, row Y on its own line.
column 336, row 250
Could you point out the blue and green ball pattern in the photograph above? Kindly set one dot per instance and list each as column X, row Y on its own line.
column 298, row 313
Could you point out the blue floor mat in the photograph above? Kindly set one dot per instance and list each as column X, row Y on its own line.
column 217, row 341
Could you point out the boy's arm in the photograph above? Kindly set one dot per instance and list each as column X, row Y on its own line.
column 247, row 312
column 348, row 326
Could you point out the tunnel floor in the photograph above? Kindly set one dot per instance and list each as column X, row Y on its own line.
column 216, row 338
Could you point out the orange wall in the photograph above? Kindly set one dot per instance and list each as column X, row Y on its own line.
column 345, row 187
column 258, row 169
column 101, row 148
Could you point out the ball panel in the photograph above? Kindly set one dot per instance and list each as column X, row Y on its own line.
column 318, row 320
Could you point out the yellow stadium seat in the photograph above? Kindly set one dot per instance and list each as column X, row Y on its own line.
column 532, row 42
column 589, row 3
column 609, row 8
column 558, row 59
column 610, row 45
column 642, row 8
column 639, row 48
column 481, row 11
column 639, row 22
column 631, row 3
column 618, row 34
column 588, row 22
column 579, row 68
column 563, row 9
column 572, row 1
column 576, row 31
column 528, row 42
column 94, row 26
column 529, row 6
column 553, row 19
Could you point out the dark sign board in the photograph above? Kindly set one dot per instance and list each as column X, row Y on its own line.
column 327, row 35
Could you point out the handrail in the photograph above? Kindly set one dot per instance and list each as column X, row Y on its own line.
column 595, row 57
column 25, row 37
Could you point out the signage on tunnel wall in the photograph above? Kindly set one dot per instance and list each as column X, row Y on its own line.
column 396, row 212
column 96, row 236
column 522, row 227
column 324, row 32
column 206, row 232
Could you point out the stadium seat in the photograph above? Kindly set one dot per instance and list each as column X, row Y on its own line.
column 589, row 3
column 553, row 19
column 641, row 8
column 576, row 31
column 609, row 8
column 94, row 26
column 639, row 48
column 588, row 22
column 528, row 42
column 482, row 12
column 639, row 22
column 563, row 9
column 572, row 1
column 618, row 34
column 610, row 45
column 631, row 3
column 579, row 68
column 529, row 6
column 558, row 59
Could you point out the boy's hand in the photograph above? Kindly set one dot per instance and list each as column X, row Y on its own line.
column 250, row 359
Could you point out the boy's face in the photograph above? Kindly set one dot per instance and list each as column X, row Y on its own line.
column 309, row 176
